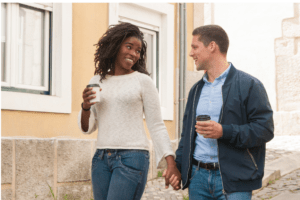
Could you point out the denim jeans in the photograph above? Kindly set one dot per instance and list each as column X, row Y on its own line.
column 207, row 185
column 119, row 174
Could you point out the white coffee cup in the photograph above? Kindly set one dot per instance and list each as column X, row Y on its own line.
column 203, row 118
column 96, row 88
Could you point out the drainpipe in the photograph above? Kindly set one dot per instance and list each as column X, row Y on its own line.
column 183, row 62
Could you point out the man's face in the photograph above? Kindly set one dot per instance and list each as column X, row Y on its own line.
column 199, row 53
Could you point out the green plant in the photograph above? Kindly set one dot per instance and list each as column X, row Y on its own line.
column 66, row 197
column 52, row 193
column 185, row 197
column 159, row 174
column 36, row 195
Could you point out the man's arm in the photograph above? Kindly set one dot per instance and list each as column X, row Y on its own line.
column 260, row 126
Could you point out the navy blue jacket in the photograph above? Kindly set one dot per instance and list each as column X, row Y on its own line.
column 247, row 121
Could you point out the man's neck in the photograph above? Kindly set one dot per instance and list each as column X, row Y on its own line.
column 216, row 69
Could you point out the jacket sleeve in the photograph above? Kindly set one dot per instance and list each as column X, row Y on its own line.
column 259, row 128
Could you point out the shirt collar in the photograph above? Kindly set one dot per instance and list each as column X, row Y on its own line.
column 221, row 77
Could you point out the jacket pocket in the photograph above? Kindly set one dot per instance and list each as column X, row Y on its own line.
column 244, row 167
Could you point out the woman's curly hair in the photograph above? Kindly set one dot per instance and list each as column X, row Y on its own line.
column 108, row 47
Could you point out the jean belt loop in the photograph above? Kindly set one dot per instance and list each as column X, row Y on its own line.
column 101, row 154
column 198, row 166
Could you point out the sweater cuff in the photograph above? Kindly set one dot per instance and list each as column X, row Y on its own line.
column 227, row 132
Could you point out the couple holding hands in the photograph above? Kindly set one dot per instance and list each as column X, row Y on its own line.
column 218, row 159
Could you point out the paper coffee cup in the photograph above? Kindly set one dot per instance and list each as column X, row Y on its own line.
column 203, row 118
column 96, row 88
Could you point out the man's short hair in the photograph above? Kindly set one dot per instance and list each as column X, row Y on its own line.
column 209, row 33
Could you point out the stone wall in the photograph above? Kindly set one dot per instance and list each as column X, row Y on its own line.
column 287, row 51
column 30, row 167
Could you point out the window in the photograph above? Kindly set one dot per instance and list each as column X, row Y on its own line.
column 29, row 43
column 157, row 24
column 36, row 46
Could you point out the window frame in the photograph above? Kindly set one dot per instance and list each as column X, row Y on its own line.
column 165, row 26
column 59, row 100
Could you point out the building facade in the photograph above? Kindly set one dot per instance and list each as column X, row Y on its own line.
column 47, row 59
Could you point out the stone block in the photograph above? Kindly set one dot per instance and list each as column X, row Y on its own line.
column 34, row 168
column 151, row 166
column 277, row 123
column 6, row 160
column 291, row 123
column 6, row 194
column 75, row 192
column 270, row 175
column 285, row 164
column 288, row 90
column 74, row 160
column 291, row 27
column 284, row 47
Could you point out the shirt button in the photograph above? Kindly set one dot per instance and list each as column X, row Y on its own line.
column 211, row 158
column 211, row 147
column 209, row 101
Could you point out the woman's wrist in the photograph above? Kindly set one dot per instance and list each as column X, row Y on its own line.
column 85, row 109
column 170, row 160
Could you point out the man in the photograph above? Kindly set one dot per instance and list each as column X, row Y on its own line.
column 223, row 158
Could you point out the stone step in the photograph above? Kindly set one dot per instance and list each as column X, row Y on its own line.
column 287, row 196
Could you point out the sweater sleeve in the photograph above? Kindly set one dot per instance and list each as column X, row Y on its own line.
column 93, row 124
column 158, row 132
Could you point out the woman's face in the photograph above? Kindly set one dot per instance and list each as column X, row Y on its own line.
column 128, row 55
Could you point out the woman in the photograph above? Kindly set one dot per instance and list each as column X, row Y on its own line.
column 120, row 164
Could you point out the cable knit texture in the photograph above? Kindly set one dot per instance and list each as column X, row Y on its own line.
column 119, row 115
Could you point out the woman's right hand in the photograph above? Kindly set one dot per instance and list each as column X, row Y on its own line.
column 86, row 97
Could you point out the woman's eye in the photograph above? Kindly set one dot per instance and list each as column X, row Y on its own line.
column 128, row 47
column 138, row 51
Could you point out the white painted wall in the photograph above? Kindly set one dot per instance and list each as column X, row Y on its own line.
column 252, row 29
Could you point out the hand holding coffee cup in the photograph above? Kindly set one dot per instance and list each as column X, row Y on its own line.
column 91, row 95
column 203, row 118
column 208, row 128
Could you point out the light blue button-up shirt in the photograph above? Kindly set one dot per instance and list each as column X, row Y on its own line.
column 210, row 103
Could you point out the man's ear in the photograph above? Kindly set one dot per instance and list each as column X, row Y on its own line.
column 213, row 46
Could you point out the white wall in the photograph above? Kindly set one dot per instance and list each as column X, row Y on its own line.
column 252, row 29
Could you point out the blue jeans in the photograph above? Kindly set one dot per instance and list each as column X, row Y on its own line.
column 119, row 174
column 207, row 185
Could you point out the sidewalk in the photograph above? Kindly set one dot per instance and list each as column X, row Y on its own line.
column 282, row 163
column 282, row 170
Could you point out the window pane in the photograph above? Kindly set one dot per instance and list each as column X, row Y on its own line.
column 3, row 41
column 31, row 47
column 149, row 64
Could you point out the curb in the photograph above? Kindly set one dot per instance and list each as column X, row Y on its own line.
column 280, row 167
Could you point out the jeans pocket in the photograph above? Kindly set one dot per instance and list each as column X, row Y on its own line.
column 134, row 162
column 97, row 156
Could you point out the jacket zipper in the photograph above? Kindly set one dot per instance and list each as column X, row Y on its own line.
column 252, row 159
column 223, row 190
column 190, row 137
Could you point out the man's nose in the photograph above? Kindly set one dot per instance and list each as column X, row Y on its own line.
column 191, row 54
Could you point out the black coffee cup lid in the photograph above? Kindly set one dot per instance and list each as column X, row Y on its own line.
column 93, row 85
column 203, row 117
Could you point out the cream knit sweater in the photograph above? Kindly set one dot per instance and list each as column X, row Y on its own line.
column 119, row 115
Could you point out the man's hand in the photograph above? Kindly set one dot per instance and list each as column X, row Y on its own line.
column 172, row 176
column 209, row 129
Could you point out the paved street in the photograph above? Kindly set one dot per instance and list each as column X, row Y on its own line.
column 286, row 187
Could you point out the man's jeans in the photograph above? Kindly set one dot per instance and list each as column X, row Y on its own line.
column 119, row 174
column 207, row 185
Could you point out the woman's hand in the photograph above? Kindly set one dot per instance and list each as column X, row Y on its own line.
column 86, row 97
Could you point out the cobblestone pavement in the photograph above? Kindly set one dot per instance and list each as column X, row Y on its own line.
column 276, row 148
column 289, row 182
